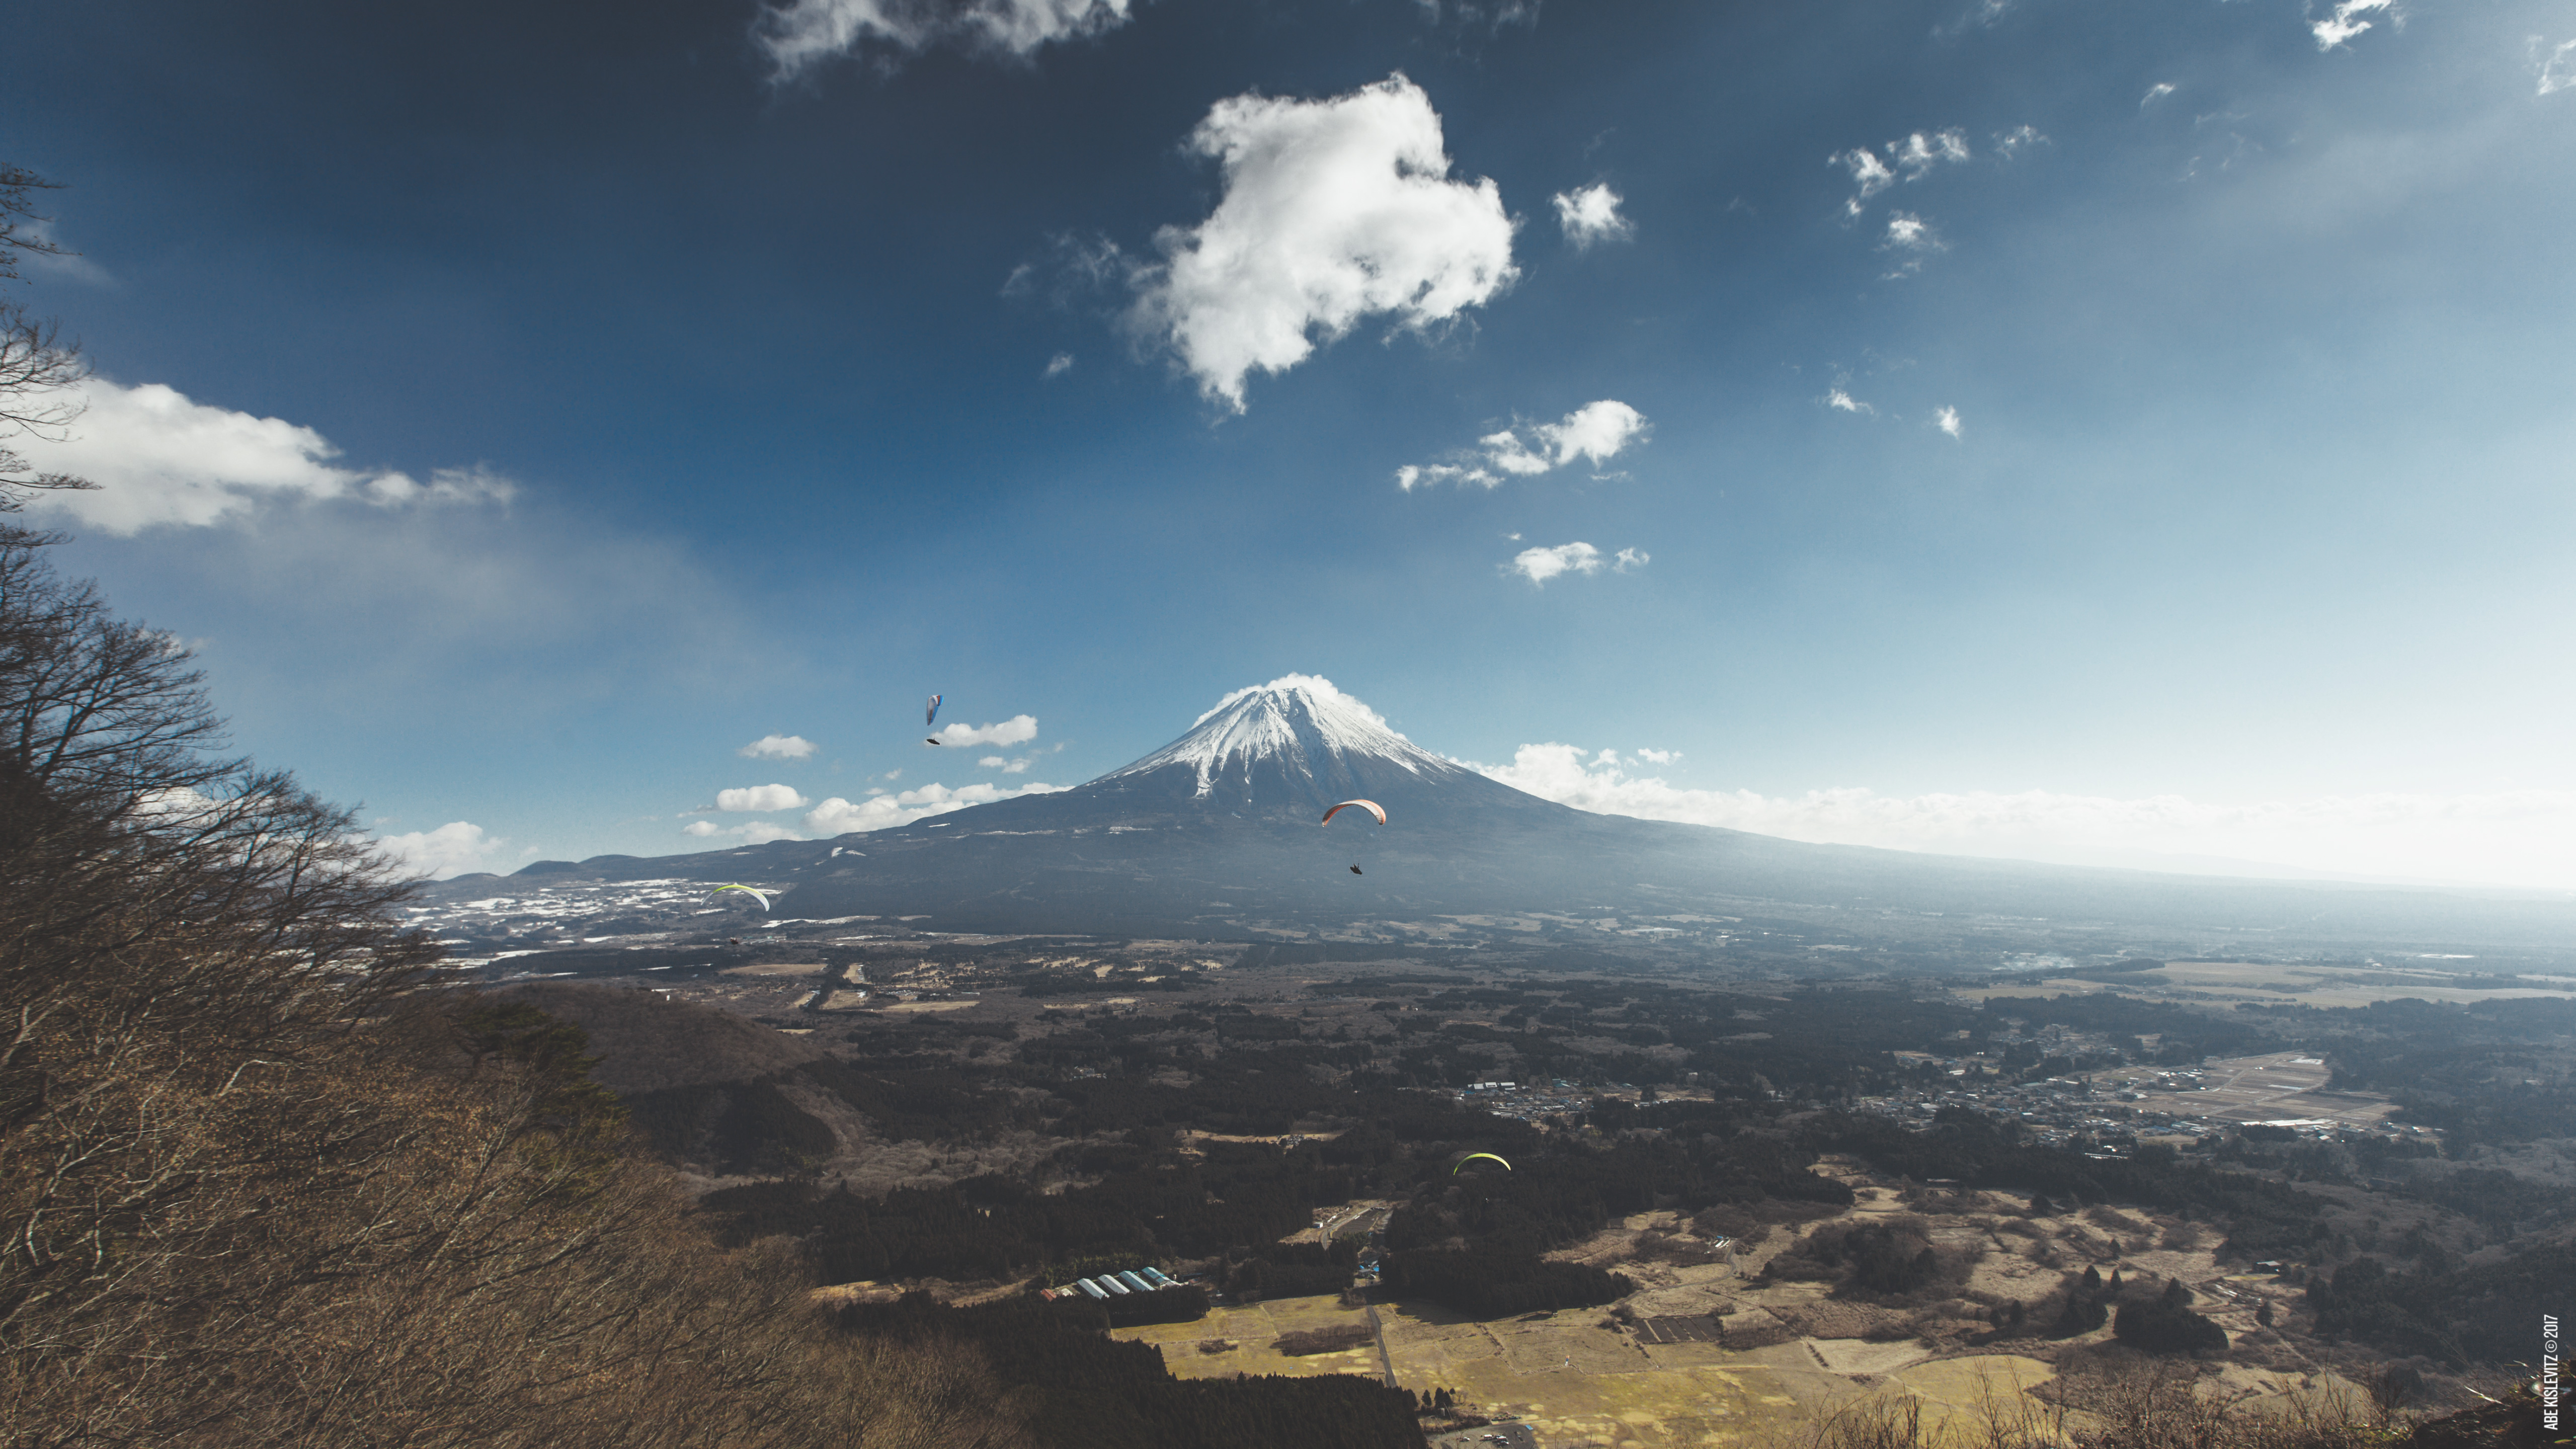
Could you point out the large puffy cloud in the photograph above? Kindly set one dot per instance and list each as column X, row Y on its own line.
column 880, row 809
column 761, row 798
column 1590, row 214
column 778, row 747
column 806, row 33
column 161, row 458
column 2523, row 838
column 455, row 848
column 1019, row 729
column 1598, row 431
column 1334, row 210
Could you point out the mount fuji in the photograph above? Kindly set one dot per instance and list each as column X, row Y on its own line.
column 1215, row 836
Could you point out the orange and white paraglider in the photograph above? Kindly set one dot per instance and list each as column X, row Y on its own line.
column 1371, row 808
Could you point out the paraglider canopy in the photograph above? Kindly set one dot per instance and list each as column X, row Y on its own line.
column 930, row 713
column 1371, row 806
column 755, row 892
column 1472, row 1156
column 1355, row 870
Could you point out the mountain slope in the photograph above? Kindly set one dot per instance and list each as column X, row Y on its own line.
column 1216, row 835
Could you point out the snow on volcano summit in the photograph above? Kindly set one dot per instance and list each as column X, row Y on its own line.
column 1298, row 723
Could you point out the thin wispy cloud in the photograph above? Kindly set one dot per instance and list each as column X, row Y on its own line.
column 65, row 263
column 2507, row 837
column 2556, row 67
column 1911, row 239
column 1059, row 364
column 1947, row 420
column 2344, row 21
column 1597, row 431
column 1590, row 215
column 754, row 832
column 1843, row 402
column 1334, row 211
column 2009, row 144
column 803, row 34
column 1909, row 159
column 2155, row 93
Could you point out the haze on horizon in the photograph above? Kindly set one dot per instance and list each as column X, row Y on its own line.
column 2125, row 435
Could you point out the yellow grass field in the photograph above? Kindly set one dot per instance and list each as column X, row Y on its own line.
column 1579, row 1384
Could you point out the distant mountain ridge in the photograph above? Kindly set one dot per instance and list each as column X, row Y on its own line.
column 1215, row 835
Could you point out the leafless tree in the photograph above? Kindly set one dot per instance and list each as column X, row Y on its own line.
column 39, row 370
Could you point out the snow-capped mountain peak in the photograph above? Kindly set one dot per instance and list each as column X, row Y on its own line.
column 1298, row 722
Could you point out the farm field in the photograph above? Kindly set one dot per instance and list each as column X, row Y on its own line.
column 2288, row 985
column 1701, row 1355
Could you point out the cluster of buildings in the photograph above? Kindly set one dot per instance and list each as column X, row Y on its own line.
column 1105, row 1286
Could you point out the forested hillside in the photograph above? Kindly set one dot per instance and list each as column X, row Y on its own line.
column 263, row 1182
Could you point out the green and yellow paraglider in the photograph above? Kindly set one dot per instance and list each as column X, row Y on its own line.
column 755, row 892
column 1472, row 1156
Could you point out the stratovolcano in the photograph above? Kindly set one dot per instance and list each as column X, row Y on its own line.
column 1216, row 835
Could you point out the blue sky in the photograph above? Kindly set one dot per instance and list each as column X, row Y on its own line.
column 2114, row 432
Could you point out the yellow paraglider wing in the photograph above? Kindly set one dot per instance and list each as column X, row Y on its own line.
column 1472, row 1156
column 754, row 892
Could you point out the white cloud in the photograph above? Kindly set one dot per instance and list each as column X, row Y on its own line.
column 455, row 848
column 756, row 832
column 1598, row 431
column 1843, row 402
column 1334, row 210
column 1538, row 565
column 1912, row 233
column 1947, row 420
column 761, row 798
column 1409, row 475
column 160, row 458
column 2155, row 93
column 778, row 747
column 1059, row 364
column 1868, row 173
column 2556, row 68
column 68, row 265
column 1018, row 729
column 2516, row 838
column 2345, row 22
column 837, row 816
column 1591, row 214
column 1919, row 152
column 1019, row 766
column 1912, row 238
column 1907, row 160
column 1657, row 757
column 806, row 33
column 2009, row 144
